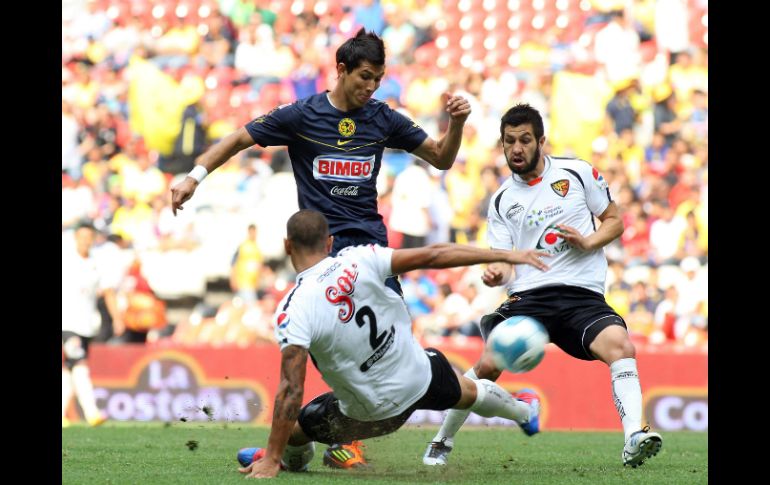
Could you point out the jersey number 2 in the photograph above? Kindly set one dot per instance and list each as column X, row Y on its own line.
column 374, row 339
column 380, row 343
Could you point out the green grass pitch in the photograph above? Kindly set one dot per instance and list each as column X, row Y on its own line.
column 159, row 454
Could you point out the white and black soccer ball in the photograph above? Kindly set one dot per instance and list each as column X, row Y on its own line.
column 517, row 344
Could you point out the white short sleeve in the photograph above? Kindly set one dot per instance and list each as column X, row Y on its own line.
column 597, row 190
column 292, row 323
column 498, row 234
column 376, row 257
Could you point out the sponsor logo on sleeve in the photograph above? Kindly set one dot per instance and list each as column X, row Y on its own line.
column 283, row 320
column 599, row 179
column 261, row 119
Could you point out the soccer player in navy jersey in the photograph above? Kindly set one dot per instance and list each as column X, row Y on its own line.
column 335, row 141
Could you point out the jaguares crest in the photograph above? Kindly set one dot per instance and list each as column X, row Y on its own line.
column 561, row 187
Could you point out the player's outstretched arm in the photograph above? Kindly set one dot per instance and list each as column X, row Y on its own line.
column 451, row 255
column 209, row 161
column 288, row 403
column 442, row 154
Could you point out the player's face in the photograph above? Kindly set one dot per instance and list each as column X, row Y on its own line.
column 361, row 83
column 522, row 149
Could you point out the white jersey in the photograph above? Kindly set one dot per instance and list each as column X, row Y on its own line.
column 81, row 283
column 524, row 216
column 358, row 332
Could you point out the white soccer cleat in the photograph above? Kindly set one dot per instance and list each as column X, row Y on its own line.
column 640, row 446
column 437, row 453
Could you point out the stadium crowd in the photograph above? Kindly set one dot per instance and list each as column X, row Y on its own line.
column 146, row 86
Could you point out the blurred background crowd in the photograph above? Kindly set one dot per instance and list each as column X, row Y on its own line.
column 148, row 85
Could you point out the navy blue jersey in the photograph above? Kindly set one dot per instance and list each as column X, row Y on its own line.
column 336, row 155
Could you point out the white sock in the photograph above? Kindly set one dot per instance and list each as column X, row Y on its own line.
column 84, row 390
column 454, row 418
column 492, row 400
column 66, row 391
column 296, row 457
column 627, row 394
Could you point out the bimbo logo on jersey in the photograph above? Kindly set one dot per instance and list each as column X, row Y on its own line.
column 339, row 293
column 343, row 169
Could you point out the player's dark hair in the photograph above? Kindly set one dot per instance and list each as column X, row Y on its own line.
column 520, row 114
column 307, row 230
column 365, row 46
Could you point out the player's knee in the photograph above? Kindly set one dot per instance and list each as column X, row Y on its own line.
column 613, row 344
column 468, row 393
column 80, row 369
column 627, row 349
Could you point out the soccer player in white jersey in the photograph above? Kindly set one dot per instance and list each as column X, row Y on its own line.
column 549, row 204
column 82, row 282
column 358, row 333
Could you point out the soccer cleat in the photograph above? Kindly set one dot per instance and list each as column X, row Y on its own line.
column 246, row 456
column 65, row 422
column 97, row 420
column 530, row 397
column 437, row 453
column 347, row 455
column 640, row 446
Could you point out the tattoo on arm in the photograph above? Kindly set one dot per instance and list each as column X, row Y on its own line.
column 288, row 399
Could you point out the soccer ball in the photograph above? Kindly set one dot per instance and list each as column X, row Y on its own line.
column 517, row 344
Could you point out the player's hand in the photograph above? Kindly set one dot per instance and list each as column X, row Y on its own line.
column 493, row 276
column 262, row 468
column 458, row 108
column 181, row 193
column 531, row 257
column 573, row 237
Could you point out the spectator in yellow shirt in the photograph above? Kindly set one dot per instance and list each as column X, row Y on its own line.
column 247, row 264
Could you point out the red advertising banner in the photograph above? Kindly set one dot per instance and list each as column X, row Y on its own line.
column 155, row 383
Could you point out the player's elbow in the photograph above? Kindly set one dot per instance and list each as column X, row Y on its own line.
column 435, row 158
column 443, row 163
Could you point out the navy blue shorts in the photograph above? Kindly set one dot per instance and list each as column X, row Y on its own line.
column 572, row 315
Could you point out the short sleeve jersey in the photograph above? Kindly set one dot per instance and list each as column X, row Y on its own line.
column 523, row 215
column 336, row 155
column 358, row 332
